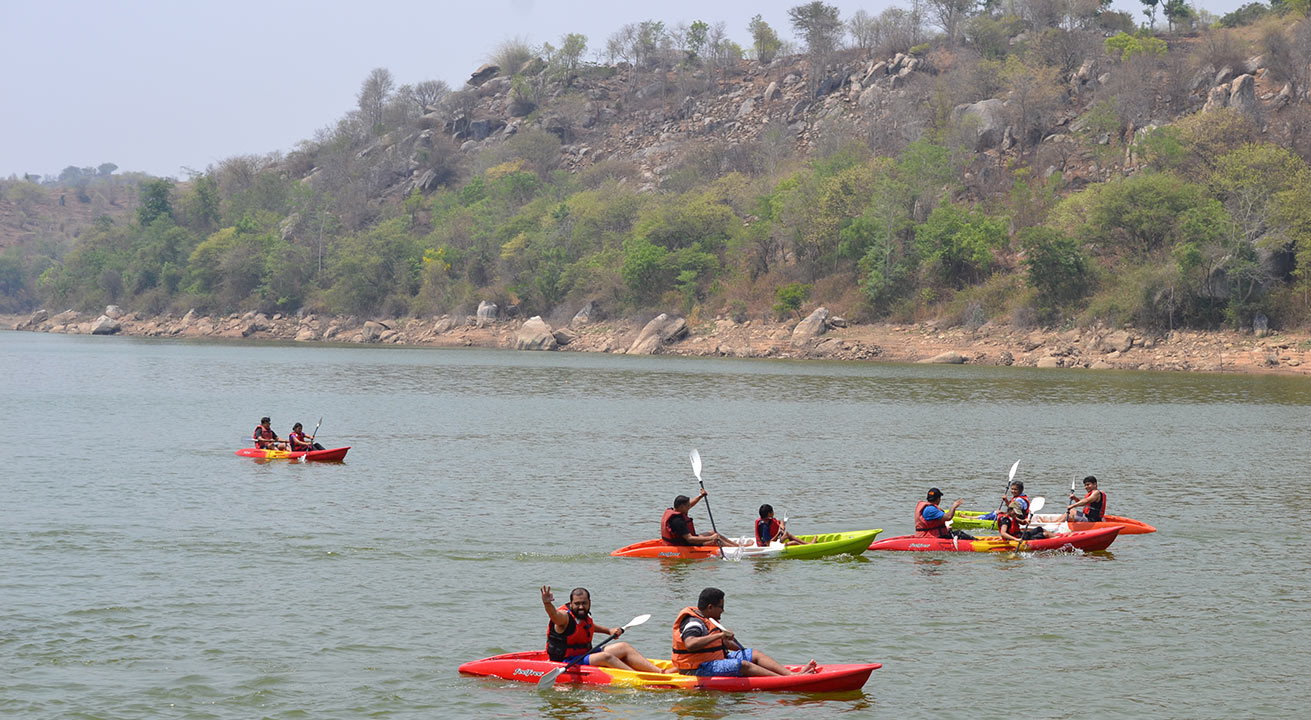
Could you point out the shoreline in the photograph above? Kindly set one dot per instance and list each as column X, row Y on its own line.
column 817, row 337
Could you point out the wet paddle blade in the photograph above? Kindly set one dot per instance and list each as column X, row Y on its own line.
column 696, row 464
column 547, row 681
column 1014, row 467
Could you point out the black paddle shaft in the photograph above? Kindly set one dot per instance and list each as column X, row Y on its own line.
column 712, row 518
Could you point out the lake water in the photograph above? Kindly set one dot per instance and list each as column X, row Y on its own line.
column 146, row 571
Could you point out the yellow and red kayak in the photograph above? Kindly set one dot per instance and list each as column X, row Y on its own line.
column 971, row 519
column 530, row 666
column 328, row 455
column 1087, row 541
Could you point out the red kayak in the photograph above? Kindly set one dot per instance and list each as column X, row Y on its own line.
column 1086, row 540
column 328, row 455
column 530, row 666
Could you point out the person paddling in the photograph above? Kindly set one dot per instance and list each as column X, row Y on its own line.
column 265, row 438
column 769, row 529
column 300, row 442
column 704, row 647
column 1011, row 524
column 676, row 526
column 1016, row 494
column 570, row 634
column 931, row 521
column 1093, row 504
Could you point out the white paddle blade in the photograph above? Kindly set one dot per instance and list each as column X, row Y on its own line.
column 696, row 464
column 1014, row 467
column 637, row 621
column 546, row 681
column 1036, row 504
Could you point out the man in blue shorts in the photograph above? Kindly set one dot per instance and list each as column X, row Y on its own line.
column 704, row 647
column 570, row 631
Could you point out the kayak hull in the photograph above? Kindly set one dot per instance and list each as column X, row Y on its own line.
column 972, row 520
column 530, row 666
column 328, row 455
column 823, row 545
column 1086, row 540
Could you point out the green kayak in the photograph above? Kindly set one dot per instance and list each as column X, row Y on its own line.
column 852, row 543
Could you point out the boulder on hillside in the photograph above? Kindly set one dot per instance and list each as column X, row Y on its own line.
column 487, row 311
column 445, row 324
column 483, row 74
column 372, row 331
column 535, row 334
column 585, row 314
column 113, row 311
column 1119, row 341
column 1242, row 94
column 812, row 327
column 33, row 320
column 564, row 336
column 105, row 325
column 660, row 330
column 987, row 119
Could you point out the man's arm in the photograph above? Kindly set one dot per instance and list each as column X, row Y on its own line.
column 559, row 619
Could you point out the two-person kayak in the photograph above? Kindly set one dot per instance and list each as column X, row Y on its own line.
column 328, row 455
column 822, row 545
column 1086, row 540
column 973, row 519
column 531, row 666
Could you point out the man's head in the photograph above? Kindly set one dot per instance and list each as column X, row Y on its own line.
column 934, row 496
column 1017, row 487
column 580, row 602
column 766, row 511
column 711, row 602
column 682, row 503
column 1090, row 483
column 264, row 421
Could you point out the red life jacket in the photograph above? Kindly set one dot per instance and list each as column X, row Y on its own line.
column 685, row 659
column 264, row 438
column 299, row 441
column 575, row 640
column 667, row 534
column 767, row 530
column 1095, row 511
column 1012, row 525
column 929, row 528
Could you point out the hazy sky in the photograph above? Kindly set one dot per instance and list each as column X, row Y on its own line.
column 162, row 85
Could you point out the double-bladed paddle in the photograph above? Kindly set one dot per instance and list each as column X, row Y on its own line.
column 547, row 681
column 696, row 470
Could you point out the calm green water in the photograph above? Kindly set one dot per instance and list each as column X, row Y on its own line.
column 146, row 571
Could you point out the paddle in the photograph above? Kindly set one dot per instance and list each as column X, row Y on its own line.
column 1072, row 498
column 548, row 680
column 696, row 470
column 303, row 458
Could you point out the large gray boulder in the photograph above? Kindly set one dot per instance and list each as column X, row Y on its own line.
column 812, row 327
column 105, row 325
column 660, row 330
column 585, row 315
column 373, row 330
column 1242, row 94
column 986, row 119
column 535, row 334
column 113, row 311
column 444, row 325
column 483, row 74
column 487, row 311
column 951, row 357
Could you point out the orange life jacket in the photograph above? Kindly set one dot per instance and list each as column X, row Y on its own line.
column 929, row 528
column 685, row 659
column 264, row 438
column 575, row 640
column 667, row 534
column 767, row 530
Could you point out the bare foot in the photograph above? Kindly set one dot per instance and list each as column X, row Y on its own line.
column 810, row 667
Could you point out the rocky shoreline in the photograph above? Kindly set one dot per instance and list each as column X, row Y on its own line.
column 819, row 336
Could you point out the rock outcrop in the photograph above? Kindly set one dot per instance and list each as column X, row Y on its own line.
column 535, row 334
column 660, row 330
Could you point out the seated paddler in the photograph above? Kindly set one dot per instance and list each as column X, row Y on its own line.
column 570, row 631
column 931, row 521
column 676, row 527
column 702, row 646
column 769, row 529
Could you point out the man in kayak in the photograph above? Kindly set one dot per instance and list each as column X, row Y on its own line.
column 704, row 647
column 768, row 529
column 265, row 438
column 570, row 635
column 1011, row 525
column 1016, row 494
column 931, row 521
column 1093, row 504
column 300, row 442
column 676, row 526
